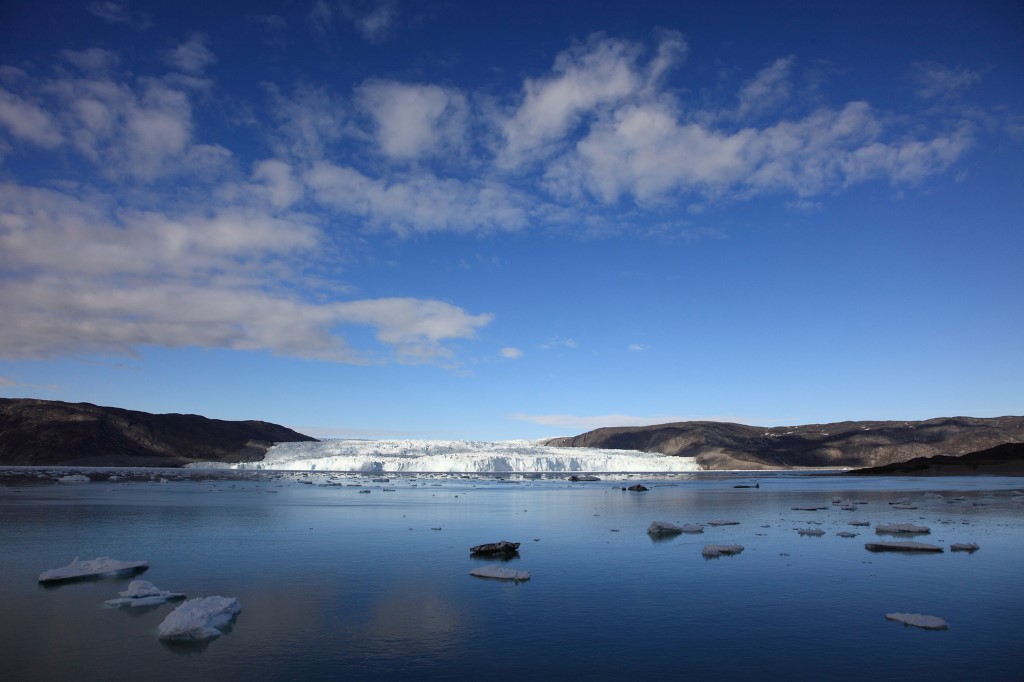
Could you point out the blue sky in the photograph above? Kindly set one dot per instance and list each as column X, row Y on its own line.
column 513, row 220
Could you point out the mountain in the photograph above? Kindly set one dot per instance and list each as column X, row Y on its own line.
column 1006, row 459
column 48, row 433
column 720, row 445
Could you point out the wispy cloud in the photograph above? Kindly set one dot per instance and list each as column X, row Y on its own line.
column 511, row 353
column 935, row 80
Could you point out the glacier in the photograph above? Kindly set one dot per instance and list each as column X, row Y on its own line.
column 456, row 456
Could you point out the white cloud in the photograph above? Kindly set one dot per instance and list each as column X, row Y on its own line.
column 585, row 79
column 192, row 56
column 374, row 20
column 559, row 342
column 511, row 353
column 309, row 121
column 82, row 278
column 638, row 347
column 93, row 60
column 28, row 122
column 419, row 203
column 111, row 11
column 937, row 80
column 6, row 382
column 767, row 90
column 414, row 120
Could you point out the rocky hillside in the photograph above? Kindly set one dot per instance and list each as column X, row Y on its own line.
column 47, row 433
column 1002, row 460
column 719, row 445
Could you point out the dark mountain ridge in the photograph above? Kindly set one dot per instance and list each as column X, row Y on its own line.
column 50, row 433
column 722, row 445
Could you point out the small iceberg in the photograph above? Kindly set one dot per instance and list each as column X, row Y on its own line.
column 199, row 619
column 846, row 534
column 712, row 551
column 808, row 508
column 902, row 528
column 721, row 522
column 815, row 532
column 964, row 547
column 905, row 546
column 660, row 528
column 859, row 523
column 92, row 568
column 503, row 548
column 143, row 593
column 74, row 478
column 919, row 620
column 496, row 572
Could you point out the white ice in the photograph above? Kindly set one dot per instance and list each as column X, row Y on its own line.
column 919, row 620
column 454, row 456
column 143, row 593
column 964, row 547
column 719, row 550
column 90, row 567
column 74, row 478
column 905, row 546
column 666, row 528
column 816, row 532
column 901, row 528
column 722, row 522
column 500, row 573
column 199, row 619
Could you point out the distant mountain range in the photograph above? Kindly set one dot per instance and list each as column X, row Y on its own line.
column 49, row 433
column 720, row 445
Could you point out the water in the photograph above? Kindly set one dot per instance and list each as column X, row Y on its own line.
column 335, row 583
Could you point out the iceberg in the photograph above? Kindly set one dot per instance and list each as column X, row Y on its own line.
column 500, row 573
column 199, row 619
column 815, row 532
column 74, row 478
column 722, row 522
column 964, row 547
column 92, row 568
column 902, row 528
column 659, row 528
column 455, row 456
column 919, row 620
column 143, row 593
column 711, row 551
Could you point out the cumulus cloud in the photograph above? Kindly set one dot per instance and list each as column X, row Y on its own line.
column 414, row 120
column 28, row 122
column 192, row 56
column 511, row 353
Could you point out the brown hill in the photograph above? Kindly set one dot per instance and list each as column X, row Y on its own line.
column 720, row 445
column 48, row 433
column 1002, row 460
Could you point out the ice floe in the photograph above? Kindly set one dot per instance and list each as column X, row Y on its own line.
column 860, row 523
column 902, row 528
column 500, row 573
column 846, row 534
column 964, row 547
column 808, row 508
column 712, row 551
column 722, row 522
column 199, row 619
column 665, row 528
column 919, row 620
column 100, row 566
column 815, row 532
column 143, row 593
column 74, row 478
column 905, row 546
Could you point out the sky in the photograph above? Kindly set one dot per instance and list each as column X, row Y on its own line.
column 476, row 220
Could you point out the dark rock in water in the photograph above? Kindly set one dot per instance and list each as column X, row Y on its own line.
column 503, row 547
column 52, row 433
column 743, row 485
column 637, row 488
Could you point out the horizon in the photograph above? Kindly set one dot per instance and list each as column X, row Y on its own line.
column 396, row 220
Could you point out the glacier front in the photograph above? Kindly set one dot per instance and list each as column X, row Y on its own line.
column 457, row 456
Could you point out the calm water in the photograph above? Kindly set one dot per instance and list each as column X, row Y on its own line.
column 336, row 584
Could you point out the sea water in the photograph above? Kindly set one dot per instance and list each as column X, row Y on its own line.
column 335, row 582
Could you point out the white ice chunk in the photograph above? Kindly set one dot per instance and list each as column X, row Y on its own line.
column 719, row 550
column 666, row 528
column 721, row 522
column 901, row 528
column 143, row 593
column 74, row 478
column 919, row 620
column 199, row 619
column 500, row 573
column 964, row 547
column 91, row 567
column 816, row 532
column 846, row 534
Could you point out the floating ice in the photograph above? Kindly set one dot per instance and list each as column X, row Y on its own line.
column 860, row 523
column 722, row 522
column 99, row 566
column 905, row 546
column 199, row 619
column 816, row 532
column 74, row 478
column 808, row 508
column 964, row 547
column 919, row 620
column 846, row 534
column 143, row 593
column 500, row 573
column 665, row 528
column 901, row 528
column 719, row 550
column 440, row 456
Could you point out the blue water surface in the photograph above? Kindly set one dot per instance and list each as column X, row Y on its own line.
column 337, row 583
